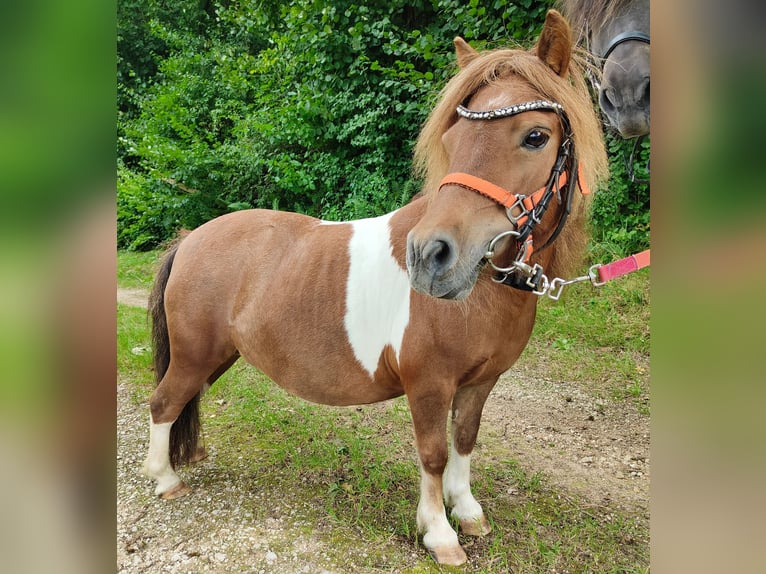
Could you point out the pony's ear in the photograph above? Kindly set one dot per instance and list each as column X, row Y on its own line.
column 465, row 54
column 555, row 44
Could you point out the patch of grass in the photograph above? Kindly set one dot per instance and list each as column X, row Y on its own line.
column 134, row 357
column 136, row 269
column 356, row 468
column 597, row 337
column 307, row 443
column 614, row 315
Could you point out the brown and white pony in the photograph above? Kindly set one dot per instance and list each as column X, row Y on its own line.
column 364, row 311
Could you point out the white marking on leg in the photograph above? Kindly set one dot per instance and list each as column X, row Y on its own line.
column 431, row 519
column 157, row 463
column 457, row 487
column 377, row 293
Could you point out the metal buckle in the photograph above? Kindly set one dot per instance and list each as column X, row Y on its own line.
column 535, row 278
column 520, row 204
column 558, row 284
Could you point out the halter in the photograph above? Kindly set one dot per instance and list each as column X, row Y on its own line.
column 631, row 36
column 621, row 38
column 523, row 211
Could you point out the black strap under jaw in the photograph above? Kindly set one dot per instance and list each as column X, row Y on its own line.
column 523, row 283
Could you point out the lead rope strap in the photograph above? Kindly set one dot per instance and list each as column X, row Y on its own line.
column 623, row 266
column 598, row 274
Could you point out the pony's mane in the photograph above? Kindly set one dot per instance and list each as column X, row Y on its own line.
column 495, row 66
column 592, row 13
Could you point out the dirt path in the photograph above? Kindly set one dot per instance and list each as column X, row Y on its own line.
column 133, row 297
column 595, row 451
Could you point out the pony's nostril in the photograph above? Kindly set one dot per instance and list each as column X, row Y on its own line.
column 605, row 101
column 438, row 254
column 645, row 97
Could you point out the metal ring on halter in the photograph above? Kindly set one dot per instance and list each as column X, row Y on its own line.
column 491, row 251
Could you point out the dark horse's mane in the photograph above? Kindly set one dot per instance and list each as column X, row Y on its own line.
column 593, row 13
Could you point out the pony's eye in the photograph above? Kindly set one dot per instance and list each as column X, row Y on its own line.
column 536, row 139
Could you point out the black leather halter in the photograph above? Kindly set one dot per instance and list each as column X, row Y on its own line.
column 631, row 36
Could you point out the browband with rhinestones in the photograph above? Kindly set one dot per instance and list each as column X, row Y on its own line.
column 510, row 110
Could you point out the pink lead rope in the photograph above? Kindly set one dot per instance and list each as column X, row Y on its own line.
column 623, row 266
column 598, row 274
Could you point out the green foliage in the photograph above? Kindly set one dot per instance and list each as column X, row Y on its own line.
column 620, row 212
column 149, row 211
column 311, row 106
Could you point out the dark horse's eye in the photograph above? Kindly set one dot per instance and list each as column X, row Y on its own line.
column 536, row 139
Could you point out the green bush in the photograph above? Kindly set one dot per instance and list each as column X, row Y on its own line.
column 145, row 212
column 620, row 213
column 311, row 106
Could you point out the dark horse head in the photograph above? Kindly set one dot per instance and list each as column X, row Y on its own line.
column 617, row 33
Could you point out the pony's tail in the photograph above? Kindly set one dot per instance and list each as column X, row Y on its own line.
column 184, row 432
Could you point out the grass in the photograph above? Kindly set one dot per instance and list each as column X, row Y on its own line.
column 135, row 270
column 597, row 337
column 356, row 465
column 134, row 359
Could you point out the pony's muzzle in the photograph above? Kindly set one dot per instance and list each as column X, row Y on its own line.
column 432, row 264
column 627, row 108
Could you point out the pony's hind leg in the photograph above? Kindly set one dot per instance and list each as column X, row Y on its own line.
column 157, row 463
column 201, row 452
column 466, row 416
column 173, row 402
column 174, row 425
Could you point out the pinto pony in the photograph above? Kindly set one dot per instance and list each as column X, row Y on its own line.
column 411, row 302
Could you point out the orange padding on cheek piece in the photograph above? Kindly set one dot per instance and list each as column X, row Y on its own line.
column 584, row 189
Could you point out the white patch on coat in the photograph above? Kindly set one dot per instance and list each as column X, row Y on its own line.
column 377, row 293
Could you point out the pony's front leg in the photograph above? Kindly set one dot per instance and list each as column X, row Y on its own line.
column 429, row 417
column 466, row 417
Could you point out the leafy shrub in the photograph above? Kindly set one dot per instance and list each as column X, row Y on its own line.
column 620, row 212
column 144, row 212
column 311, row 106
